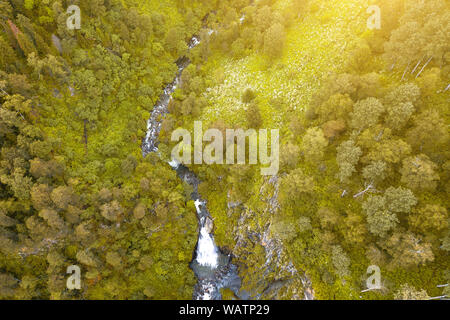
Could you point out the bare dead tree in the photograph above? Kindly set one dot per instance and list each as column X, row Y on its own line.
column 21, row 115
column 406, row 69
column 417, row 65
column 416, row 163
column 379, row 136
column 446, row 89
column 443, row 296
column 370, row 289
column 4, row 92
column 368, row 188
column 424, row 66
column 440, row 297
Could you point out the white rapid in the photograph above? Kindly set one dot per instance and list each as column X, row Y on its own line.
column 174, row 164
column 207, row 252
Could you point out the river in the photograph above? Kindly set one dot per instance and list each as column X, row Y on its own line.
column 213, row 269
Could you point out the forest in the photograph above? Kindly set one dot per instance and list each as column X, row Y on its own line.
column 363, row 116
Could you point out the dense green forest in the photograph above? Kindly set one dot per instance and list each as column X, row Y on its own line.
column 364, row 146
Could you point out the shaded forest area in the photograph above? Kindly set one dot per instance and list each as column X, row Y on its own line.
column 74, row 188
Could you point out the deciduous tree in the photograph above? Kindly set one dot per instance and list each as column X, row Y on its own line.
column 419, row 173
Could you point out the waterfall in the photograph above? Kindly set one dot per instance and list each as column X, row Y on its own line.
column 207, row 252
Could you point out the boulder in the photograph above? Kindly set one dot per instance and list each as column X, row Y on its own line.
column 209, row 225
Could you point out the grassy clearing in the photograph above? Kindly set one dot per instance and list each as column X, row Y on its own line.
column 314, row 49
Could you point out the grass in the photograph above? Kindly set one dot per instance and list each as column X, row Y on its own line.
column 313, row 50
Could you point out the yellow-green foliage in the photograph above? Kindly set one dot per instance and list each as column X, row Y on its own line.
column 75, row 189
column 329, row 40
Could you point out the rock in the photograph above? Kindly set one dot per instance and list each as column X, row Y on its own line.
column 209, row 225
column 232, row 205
column 57, row 43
